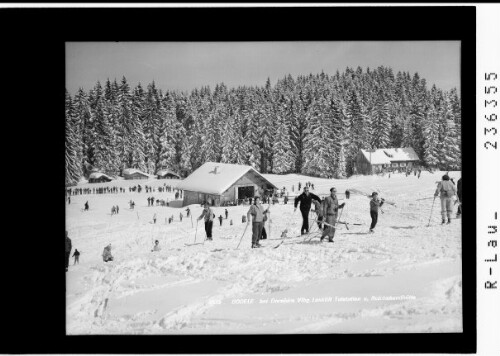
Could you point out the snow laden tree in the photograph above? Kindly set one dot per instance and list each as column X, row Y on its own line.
column 283, row 161
column 73, row 166
column 319, row 144
column 450, row 155
column 296, row 116
column 356, row 130
column 104, row 144
column 381, row 122
column 167, row 137
column 431, row 135
column 151, row 123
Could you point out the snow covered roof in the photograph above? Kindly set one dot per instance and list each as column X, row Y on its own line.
column 129, row 171
column 162, row 172
column 216, row 178
column 388, row 155
column 96, row 175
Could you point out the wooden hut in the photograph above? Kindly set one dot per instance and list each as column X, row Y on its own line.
column 222, row 183
column 131, row 173
column 98, row 177
column 385, row 159
column 167, row 174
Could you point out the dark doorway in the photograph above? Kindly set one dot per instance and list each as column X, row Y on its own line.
column 246, row 192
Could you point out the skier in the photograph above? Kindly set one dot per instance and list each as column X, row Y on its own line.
column 117, row 209
column 257, row 211
column 446, row 190
column 330, row 210
column 156, row 247
column 459, row 195
column 154, row 218
column 69, row 200
column 419, row 172
column 347, row 194
column 208, row 215
column 226, row 213
column 220, row 219
column 285, row 199
column 113, row 210
column 305, row 205
column 76, row 255
column 67, row 250
column 106, row 254
column 180, row 216
column 375, row 203
column 86, row 206
column 188, row 212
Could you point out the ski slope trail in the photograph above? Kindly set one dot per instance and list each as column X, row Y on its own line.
column 406, row 277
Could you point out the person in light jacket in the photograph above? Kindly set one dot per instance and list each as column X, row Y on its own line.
column 446, row 190
column 257, row 213
column 208, row 215
column 330, row 211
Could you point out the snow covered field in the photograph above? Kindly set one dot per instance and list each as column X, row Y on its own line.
column 404, row 278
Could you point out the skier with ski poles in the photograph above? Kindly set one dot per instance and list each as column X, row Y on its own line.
column 330, row 210
column 305, row 200
column 257, row 212
column 208, row 216
column 446, row 190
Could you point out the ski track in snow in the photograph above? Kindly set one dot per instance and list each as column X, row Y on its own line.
column 177, row 289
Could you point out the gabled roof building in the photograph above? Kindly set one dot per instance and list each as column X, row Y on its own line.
column 223, row 183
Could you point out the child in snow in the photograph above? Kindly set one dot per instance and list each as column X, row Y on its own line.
column 375, row 203
column 76, row 255
column 106, row 254
column 156, row 247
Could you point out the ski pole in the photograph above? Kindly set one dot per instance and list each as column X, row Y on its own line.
column 429, row 224
column 241, row 239
column 196, row 231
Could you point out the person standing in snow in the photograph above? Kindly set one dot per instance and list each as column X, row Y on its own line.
column 446, row 190
column 330, row 211
column 220, row 219
column 459, row 195
column 375, row 203
column 347, row 194
column 86, row 206
column 76, row 255
column 226, row 213
column 69, row 200
column 154, row 218
column 67, row 250
column 106, row 254
column 117, row 209
column 208, row 216
column 305, row 200
column 257, row 212
column 188, row 212
column 180, row 216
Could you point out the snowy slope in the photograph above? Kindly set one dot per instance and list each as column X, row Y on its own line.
column 404, row 278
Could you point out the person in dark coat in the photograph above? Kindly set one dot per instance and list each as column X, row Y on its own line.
column 459, row 195
column 106, row 254
column 86, row 206
column 347, row 194
column 305, row 200
column 220, row 219
column 226, row 213
column 76, row 255
column 67, row 250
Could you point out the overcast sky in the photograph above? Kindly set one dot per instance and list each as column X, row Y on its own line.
column 188, row 65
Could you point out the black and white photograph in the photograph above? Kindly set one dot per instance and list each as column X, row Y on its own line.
column 263, row 187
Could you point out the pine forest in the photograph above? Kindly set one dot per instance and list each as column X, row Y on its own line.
column 313, row 124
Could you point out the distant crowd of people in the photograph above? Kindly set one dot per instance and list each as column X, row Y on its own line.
column 114, row 190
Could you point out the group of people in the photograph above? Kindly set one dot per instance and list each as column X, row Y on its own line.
column 115, row 210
